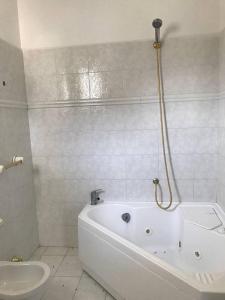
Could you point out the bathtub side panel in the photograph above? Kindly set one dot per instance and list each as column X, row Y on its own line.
column 126, row 276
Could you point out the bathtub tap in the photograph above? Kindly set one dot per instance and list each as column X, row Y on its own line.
column 95, row 196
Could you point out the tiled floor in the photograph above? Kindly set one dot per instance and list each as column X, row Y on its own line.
column 68, row 281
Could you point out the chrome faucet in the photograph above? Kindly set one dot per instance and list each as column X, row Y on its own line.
column 95, row 196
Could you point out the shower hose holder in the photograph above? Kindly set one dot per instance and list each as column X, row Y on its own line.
column 155, row 181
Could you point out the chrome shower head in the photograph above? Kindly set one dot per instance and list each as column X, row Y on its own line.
column 157, row 23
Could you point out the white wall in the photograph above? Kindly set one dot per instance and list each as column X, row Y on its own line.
column 117, row 147
column 18, row 234
column 221, row 121
column 56, row 23
column 9, row 28
column 222, row 14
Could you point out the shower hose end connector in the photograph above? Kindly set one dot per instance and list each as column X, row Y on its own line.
column 156, row 45
column 155, row 181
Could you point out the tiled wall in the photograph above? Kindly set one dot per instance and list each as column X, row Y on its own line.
column 18, row 234
column 221, row 170
column 78, row 147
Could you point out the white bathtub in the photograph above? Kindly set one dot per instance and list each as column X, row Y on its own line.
column 158, row 255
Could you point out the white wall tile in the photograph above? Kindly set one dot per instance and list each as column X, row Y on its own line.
column 107, row 85
column 190, row 51
column 73, row 86
column 182, row 165
column 108, row 118
column 118, row 147
column 140, row 83
column 182, row 190
column 141, row 142
column 121, row 56
column 205, row 166
column 41, row 88
column 139, row 190
column 188, row 114
column 141, row 116
column 39, row 62
column 221, row 124
column 141, row 167
column 205, row 190
column 191, row 81
column 71, row 60
column 57, row 235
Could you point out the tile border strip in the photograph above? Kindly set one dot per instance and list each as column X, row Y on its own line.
column 122, row 101
column 112, row 101
column 13, row 104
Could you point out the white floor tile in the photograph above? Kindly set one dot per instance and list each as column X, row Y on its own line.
column 72, row 252
column 70, row 266
column 53, row 262
column 87, row 295
column 89, row 289
column 61, row 288
column 67, row 281
column 56, row 251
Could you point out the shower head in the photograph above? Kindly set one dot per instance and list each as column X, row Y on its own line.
column 157, row 23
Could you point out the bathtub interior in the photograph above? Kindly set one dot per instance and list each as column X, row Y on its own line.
column 144, row 228
column 202, row 251
column 190, row 238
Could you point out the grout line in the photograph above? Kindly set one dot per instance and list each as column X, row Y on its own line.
column 78, row 285
column 66, row 276
column 59, row 265
column 55, row 275
column 43, row 253
column 67, row 251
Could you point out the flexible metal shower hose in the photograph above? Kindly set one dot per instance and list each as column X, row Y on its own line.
column 164, row 133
